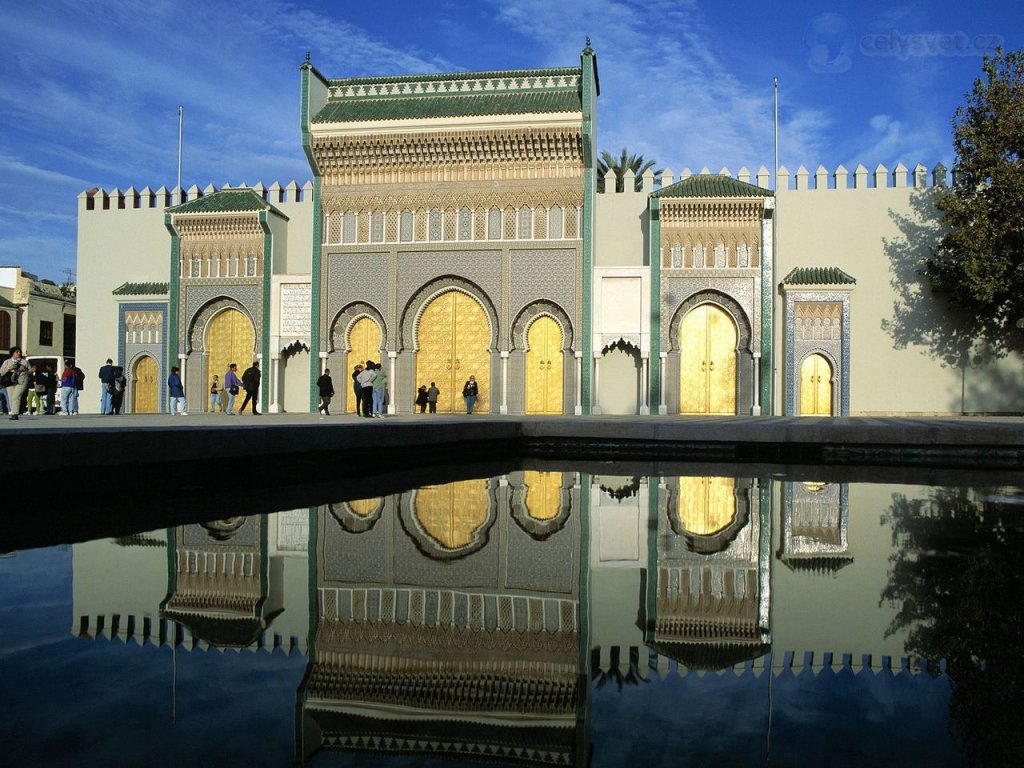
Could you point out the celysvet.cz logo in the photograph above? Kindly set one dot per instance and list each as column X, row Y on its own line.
column 905, row 46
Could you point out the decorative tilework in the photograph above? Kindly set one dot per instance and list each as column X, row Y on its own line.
column 248, row 295
column 545, row 273
column 837, row 351
column 355, row 277
column 533, row 311
column 676, row 290
column 417, row 268
column 413, row 310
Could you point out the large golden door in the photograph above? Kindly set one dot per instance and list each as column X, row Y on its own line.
column 230, row 338
column 544, row 366
column 706, row 504
column 452, row 514
column 144, row 386
column 543, row 494
column 707, row 362
column 815, row 387
column 453, row 342
column 363, row 344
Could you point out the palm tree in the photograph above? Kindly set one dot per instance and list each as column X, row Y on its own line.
column 619, row 165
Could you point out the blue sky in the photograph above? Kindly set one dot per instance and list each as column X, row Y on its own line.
column 89, row 92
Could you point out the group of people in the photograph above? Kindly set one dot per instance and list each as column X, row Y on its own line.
column 31, row 388
column 222, row 395
column 370, row 385
column 112, row 387
column 427, row 397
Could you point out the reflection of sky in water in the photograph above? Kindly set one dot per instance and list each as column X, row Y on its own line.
column 108, row 703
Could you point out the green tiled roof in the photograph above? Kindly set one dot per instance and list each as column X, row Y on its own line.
column 818, row 276
column 226, row 201
column 712, row 185
column 142, row 289
column 463, row 105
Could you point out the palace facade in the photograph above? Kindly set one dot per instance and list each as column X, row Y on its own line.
column 453, row 226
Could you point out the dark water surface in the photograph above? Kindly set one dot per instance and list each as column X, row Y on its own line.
column 534, row 618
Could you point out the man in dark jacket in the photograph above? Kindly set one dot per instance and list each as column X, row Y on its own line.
column 326, row 388
column 251, row 384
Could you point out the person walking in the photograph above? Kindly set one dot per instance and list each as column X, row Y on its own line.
column 50, row 383
column 380, row 391
column 14, row 372
column 79, row 386
column 214, row 394
column 106, row 386
column 432, row 394
column 325, row 387
column 231, row 385
column 176, row 390
column 120, row 384
column 365, row 380
column 470, row 391
column 251, row 383
column 421, row 398
column 68, row 391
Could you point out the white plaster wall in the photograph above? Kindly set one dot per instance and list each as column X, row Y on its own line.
column 858, row 230
column 619, row 388
column 620, row 228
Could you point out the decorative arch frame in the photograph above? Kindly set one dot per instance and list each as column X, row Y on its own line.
column 718, row 541
column 200, row 322
column 129, row 375
column 416, row 305
column 350, row 521
column 529, row 314
column 539, row 530
column 725, row 302
column 426, row 543
column 341, row 327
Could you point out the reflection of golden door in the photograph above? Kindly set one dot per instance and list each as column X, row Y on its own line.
column 453, row 342
column 707, row 362
column 815, row 387
column 230, row 338
column 144, row 388
column 544, row 366
column 452, row 514
column 706, row 504
column 363, row 507
column 363, row 344
column 543, row 494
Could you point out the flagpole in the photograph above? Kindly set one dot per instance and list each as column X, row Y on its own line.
column 775, row 237
column 181, row 113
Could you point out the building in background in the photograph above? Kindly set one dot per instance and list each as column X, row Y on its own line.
column 36, row 315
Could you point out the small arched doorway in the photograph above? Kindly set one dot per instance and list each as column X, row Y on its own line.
column 364, row 342
column 145, row 395
column 815, row 386
column 707, row 362
column 544, row 367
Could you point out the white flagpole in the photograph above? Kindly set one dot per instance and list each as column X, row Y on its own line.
column 181, row 113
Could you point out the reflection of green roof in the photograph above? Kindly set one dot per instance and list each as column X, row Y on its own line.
column 226, row 201
column 142, row 289
column 818, row 276
column 462, row 105
column 712, row 185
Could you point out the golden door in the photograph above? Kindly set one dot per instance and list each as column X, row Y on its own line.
column 544, row 366
column 452, row 514
column 230, row 338
column 453, row 343
column 706, row 504
column 543, row 494
column 364, row 342
column 364, row 507
column 707, row 362
column 815, row 387
column 144, row 386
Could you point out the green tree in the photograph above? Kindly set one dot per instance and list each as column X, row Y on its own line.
column 619, row 165
column 979, row 260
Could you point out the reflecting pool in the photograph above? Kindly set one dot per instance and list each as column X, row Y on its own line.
column 534, row 618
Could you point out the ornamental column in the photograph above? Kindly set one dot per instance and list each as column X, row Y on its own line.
column 503, row 409
column 393, row 357
column 578, row 409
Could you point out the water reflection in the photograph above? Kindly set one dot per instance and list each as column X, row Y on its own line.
column 517, row 618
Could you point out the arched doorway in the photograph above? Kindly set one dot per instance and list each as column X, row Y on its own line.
column 453, row 514
column 544, row 368
column 364, row 342
column 707, row 362
column 145, row 392
column 230, row 338
column 706, row 504
column 815, row 386
column 452, row 341
column 543, row 494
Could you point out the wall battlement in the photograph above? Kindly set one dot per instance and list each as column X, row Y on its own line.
column 900, row 177
column 97, row 199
